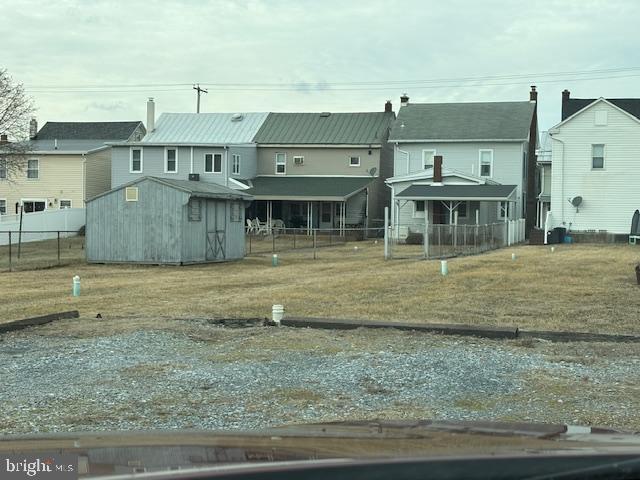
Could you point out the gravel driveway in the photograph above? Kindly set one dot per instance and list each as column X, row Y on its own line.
column 121, row 375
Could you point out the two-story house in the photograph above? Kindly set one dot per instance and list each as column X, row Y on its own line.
column 543, row 178
column 595, row 156
column 211, row 147
column 323, row 170
column 68, row 163
column 485, row 173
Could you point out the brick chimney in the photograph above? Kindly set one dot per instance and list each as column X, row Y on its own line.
column 404, row 100
column 565, row 103
column 388, row 107
column 437, row 169
column 533, row 95
column 33, row 128
column 4, row 139
column 151, row 115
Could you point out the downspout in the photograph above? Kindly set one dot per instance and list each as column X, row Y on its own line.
column 84, row 179
column 226, row 165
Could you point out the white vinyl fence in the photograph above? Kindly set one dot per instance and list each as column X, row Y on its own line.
column 47, row 223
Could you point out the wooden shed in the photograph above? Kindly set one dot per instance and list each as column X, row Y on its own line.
column 164, row 221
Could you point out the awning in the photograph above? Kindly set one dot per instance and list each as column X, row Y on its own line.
column 482, row 193
column 327, row 189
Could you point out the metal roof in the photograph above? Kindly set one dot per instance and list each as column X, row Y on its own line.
column 506, row 121
column 458, row 192
column 307, row 188
column 87, row 131
column 325, row 128
column 207, row 128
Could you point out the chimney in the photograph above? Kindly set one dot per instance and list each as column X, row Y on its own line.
column 404, row 100
column 33, row 128
column 437, row 169
column 4, row 139
column 533, row 95
column 388, row 107
column 151, row 115
column 565, row 103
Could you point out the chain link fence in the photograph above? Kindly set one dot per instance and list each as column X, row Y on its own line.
column 27, row 250
column 442, row 241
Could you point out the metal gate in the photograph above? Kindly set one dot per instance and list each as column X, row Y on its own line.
column 216, row 230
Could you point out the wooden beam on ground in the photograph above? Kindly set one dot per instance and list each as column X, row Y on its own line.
column 34, row 321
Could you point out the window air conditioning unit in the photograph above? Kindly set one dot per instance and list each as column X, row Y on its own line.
column 298, row 160
column 194, row 177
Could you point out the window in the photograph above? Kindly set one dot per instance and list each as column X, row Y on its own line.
column 235, row 164
column 427, row 158
column 503, row 210
column 213, row 163
column 3, row 169
column 418, row 208
column 597, row 157
column 298, row 160
column 281, row 163
column 462, row 210
column 33, row 169
column 354, row 161
column 135, row 161
column 30, row 206
column 235, row 212
column 3, row 206
column 65, row 204
column 194, row 210
column 486, row 163
column 131, row 194
column 170, row 160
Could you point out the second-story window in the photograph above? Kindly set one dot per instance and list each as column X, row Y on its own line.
column 281, row 163
column 235, row 164
column 136, row 160
column 427, row 158
column 33, row 169
column 354, row 161
column 171, row 160
column 597, row 157
column 486, row 163
column 213, row 163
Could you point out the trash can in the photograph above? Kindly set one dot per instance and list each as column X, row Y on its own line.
column 561, row 232
column 552, row 237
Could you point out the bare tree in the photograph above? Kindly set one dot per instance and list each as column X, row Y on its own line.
column 16, row 109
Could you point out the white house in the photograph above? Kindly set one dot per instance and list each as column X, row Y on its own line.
column 480, row 144
column 543, row 178
column 596, row 158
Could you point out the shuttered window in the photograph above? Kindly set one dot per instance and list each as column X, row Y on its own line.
column 235, row 212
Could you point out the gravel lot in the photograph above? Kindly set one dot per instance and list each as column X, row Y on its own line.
column 123, row 374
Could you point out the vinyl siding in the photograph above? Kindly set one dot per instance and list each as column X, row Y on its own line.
column 320, row 161
column 97, row 173
column 611, row 195
column 60, row 177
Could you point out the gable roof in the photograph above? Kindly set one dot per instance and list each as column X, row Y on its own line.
column 554, row 130
column 427, row 174
column 81, row 136
column 506, row 121
column 206, row 128
column 459, row 192
column 369, row 128
column 572, row 106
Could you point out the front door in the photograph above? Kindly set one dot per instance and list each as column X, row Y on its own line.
column 326, row 215
column 216, row 223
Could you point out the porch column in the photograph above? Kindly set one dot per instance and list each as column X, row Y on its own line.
column 269, row 207
column 450, row 213
column 308, row 218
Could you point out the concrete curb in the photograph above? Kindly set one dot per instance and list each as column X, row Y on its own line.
column 33, row 321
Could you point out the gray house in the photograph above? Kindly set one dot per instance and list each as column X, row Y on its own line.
column 480, row 144
column 166, row 221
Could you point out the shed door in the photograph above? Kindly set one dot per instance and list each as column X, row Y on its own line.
column 216, row 223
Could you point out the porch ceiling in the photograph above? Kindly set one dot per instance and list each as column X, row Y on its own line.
column 498, row 193
column 307, row 188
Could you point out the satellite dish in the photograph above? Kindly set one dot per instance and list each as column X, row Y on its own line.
column 372, row 171
column 576, row 201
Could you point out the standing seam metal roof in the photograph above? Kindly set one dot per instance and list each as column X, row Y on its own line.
column 325, row 128
column 205, row 128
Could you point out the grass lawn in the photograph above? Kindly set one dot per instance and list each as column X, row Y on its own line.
column 588, row 288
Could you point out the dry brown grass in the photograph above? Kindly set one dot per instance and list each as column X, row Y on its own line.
column 579, row 287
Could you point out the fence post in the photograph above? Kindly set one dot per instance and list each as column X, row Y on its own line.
column 465, row 239
column 314, row 244
column 250, row 242
column 10, row 267
column 294, row 238
column 455, row 231
column 440, row 239
column 386, row 233
column 58, row 247
column 425, row 240
column 273, row 241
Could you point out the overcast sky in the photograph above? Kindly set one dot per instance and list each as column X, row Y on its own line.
column 311, row 44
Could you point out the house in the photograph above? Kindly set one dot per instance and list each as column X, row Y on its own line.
column 481, row 144
column 595, row 155
column 68, row 163
column 166, row 221
column 323, row 170
column 215, row 147
column 543, row 179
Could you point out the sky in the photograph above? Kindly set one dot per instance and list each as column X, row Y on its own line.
column 81, row 59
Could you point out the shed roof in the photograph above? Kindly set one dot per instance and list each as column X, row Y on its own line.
column 325, row 128
column 507, row 121
column 307, row 188
column 206, row 128
column 459, row 192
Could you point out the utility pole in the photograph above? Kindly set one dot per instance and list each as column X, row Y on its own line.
column 199, row 90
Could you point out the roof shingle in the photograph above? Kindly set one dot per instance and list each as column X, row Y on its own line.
column 573, row 105
column 87, row 130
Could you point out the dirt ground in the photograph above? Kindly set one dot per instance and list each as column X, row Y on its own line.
column 589, row 288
